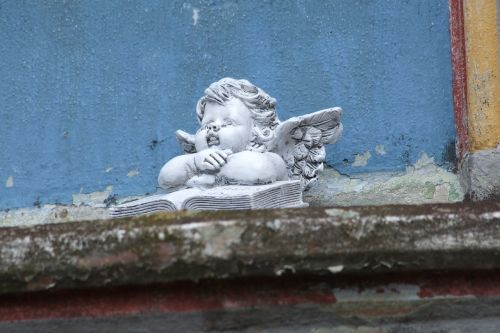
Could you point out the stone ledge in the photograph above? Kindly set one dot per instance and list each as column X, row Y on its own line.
column 191, row 246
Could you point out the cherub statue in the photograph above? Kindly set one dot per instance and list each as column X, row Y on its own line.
column 241, row 141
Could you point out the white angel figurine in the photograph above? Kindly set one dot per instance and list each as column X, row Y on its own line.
column 241, row 141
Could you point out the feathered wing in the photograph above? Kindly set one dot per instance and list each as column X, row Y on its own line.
column 186, row 140
column 300, row 141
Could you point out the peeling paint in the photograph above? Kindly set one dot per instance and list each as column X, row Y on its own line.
column 196, row 16
column 95, row 199
column 10, row 182
column 361, row 160
column 380, row 150
column 109, row 169
column 133, row 173
column 424, row 182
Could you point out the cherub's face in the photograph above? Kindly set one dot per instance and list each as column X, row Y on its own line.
column 227, row 126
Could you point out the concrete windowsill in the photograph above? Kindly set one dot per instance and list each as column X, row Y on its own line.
column 192, row 246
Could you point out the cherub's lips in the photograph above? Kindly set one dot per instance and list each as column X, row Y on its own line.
column 212, row 140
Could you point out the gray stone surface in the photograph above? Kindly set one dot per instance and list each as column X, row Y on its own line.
column 480, row 174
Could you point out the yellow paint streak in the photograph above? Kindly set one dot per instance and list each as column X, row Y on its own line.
column 483, row 82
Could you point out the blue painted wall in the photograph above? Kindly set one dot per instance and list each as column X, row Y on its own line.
column 92, row 91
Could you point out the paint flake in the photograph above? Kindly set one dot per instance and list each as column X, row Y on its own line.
column 196, row 16
column 10, row 182
column 133, row 173
column 380, row 150
column 362, row 160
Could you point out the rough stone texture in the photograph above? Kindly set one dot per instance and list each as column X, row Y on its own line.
column 193, row 246
column 480, row 174
column 423, row 182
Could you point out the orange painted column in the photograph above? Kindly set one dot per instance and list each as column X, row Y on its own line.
column 483, row 82
column 474, row 31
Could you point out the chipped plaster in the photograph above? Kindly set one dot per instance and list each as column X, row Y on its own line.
column 95, row 199
column 424, row 182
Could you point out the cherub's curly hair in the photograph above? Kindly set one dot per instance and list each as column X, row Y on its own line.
column 261, row 105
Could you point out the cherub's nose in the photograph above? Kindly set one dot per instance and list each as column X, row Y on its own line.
column 214, row 127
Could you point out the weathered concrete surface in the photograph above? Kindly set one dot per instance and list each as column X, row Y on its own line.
column 423, row 182
column 47, row 214
column 480, row 174
column 193, row 246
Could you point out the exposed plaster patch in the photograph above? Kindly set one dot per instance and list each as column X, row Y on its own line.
column 10, row 182
column 361, row 160
column 380, row 149
column 109, row 169
column 95, row 199
column 424, row 182
column 196, row 16
column 133, row 173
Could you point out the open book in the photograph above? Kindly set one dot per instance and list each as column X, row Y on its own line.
column 275, row 195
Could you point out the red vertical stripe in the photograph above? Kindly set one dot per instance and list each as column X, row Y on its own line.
column 459, row 77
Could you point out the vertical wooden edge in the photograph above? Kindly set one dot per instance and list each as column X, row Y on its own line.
column 459, row 76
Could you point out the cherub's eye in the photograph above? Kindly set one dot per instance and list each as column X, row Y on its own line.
column 227, row 122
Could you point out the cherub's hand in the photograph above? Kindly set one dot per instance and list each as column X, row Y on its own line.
column 211, row 159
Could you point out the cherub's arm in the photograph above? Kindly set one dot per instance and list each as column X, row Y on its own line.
column 177, row 171
column 252, row 168
column 180, row 169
